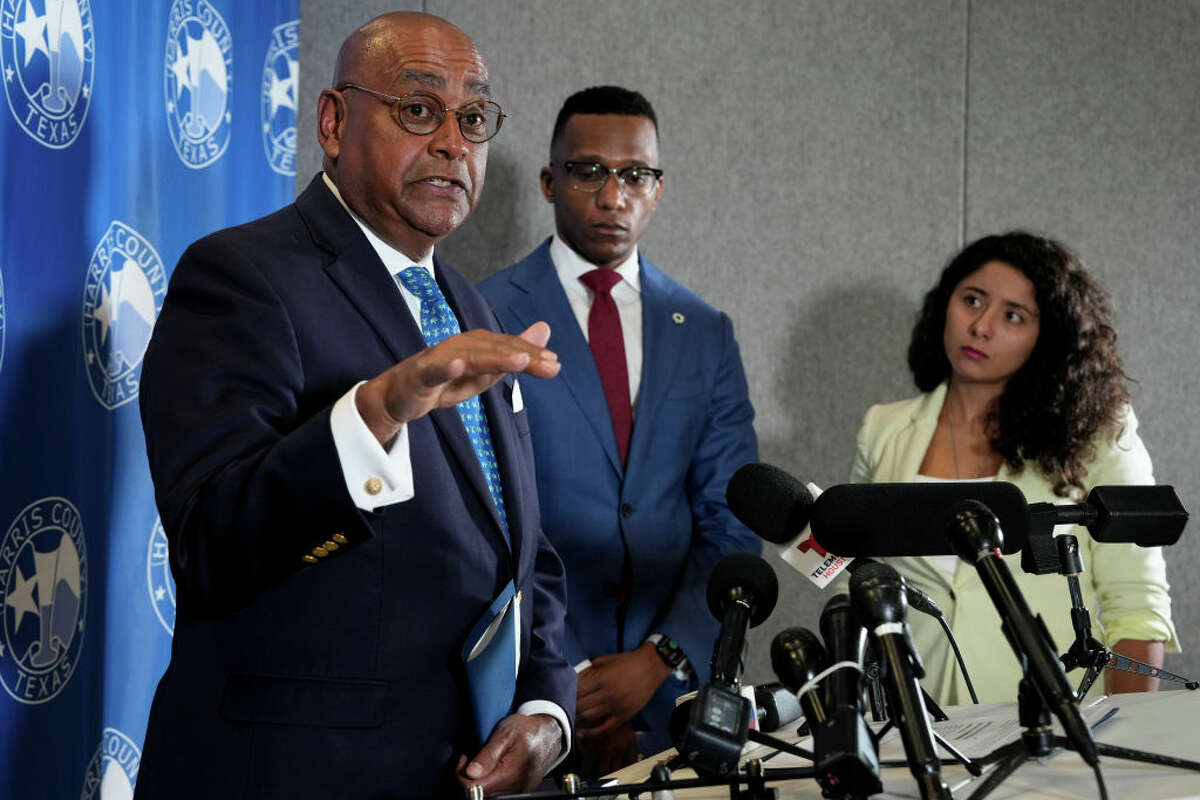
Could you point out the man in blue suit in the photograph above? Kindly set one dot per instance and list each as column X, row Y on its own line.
column 345, row 479
column 637, row 437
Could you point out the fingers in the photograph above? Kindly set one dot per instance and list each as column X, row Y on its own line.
column 537, row 334
column 516, row 755
column 487, row 356
column 455, row 369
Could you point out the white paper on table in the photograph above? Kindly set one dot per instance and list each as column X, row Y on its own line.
column 974, row 730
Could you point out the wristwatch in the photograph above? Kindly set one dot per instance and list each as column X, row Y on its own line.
column 668, row 650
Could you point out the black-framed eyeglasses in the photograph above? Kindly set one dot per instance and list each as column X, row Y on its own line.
column 589, row 176
column 421, row 113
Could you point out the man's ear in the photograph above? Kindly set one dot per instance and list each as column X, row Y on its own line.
column 547, row 180
column 658, row 190
column 331, row 122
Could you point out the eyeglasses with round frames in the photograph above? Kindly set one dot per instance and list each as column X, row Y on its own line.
column 422, row 113
column 591, row 177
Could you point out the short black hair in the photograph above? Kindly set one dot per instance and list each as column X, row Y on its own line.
column 603, row 100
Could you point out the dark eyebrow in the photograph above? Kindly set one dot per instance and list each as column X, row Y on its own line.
column 593, row 159
column 427, row 79
column 432, row 80
column 481, row 88
column 1010, row 303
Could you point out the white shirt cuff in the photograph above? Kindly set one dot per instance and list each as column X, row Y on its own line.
column 531, row 707
column 374, row 476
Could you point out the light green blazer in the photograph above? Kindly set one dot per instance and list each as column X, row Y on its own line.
column 1124, row 586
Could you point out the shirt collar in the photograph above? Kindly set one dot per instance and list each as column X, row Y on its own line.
column 570, row 265
column 393, row 260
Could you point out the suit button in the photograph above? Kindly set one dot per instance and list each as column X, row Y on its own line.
column 339, row 538
column 307, row 559
column 373, row 486
column 626, row 510
column 330, row 546
column 319, row 551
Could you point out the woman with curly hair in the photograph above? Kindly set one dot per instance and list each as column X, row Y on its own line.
column 1016, row 356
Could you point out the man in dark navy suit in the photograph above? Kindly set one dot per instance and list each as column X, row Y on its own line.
column 346, row 480
column 637, row 438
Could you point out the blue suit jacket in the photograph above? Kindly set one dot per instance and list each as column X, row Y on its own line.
column 692, row 430
column 341, row 678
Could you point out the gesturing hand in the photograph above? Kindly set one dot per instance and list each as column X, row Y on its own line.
column 444, row 375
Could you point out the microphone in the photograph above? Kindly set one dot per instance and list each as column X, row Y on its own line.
column 976, row 535
column 845, row 519
column 755, row 494
column 846, row 753
column 1148, row 516
column 917, row 599
column 769, row 502
column 777, row 706
column 742, row 591
column 900, row 519
column 797, row 656
column 877, row 596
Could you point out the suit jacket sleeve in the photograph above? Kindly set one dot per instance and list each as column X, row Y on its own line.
column 1130, row 580
column 727, row 443
column 241, row 470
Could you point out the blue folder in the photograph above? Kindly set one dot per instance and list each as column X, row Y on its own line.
column 490, row 654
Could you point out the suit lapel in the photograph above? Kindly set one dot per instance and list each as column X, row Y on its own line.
column 545, row 300
column 358, row 272
column 362, row 277
column 663, row 340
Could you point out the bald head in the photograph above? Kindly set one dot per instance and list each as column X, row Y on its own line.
column 373, row 51
column 411, row 189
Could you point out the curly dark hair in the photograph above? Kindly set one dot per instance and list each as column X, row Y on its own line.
column 1072, row 385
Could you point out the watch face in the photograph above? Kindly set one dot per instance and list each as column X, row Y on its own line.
column 669, row 651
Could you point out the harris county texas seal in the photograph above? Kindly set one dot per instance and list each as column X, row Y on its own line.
column 47, row 52
column 198, row 82
column 43, row 596
column 112, row 772
column 125, row 287
column 159, row 579
column 280, row 73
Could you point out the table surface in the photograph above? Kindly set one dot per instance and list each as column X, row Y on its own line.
column 1165, row 723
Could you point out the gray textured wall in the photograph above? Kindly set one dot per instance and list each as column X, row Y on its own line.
column 824, row 160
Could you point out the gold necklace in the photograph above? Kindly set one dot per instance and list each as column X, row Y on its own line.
column 954, row 450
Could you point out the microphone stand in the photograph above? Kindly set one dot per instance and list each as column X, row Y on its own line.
column 873, row 670
column 660, row 784
column 1086, row 651
column 1038, row 740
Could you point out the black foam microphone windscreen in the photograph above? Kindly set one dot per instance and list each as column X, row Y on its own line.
column 769, row 501
column 748, row 575
column 908, row 519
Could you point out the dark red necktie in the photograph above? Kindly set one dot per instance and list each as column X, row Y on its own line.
column 608, row 348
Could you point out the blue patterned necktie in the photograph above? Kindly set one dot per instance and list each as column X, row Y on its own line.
column 437, row 323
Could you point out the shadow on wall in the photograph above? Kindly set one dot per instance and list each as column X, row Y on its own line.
column 503, row 227
column 834, row 338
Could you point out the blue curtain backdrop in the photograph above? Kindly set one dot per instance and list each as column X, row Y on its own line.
column 129, row 130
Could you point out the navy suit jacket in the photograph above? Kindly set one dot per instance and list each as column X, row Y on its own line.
column 342, row 678
column 692, row 430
